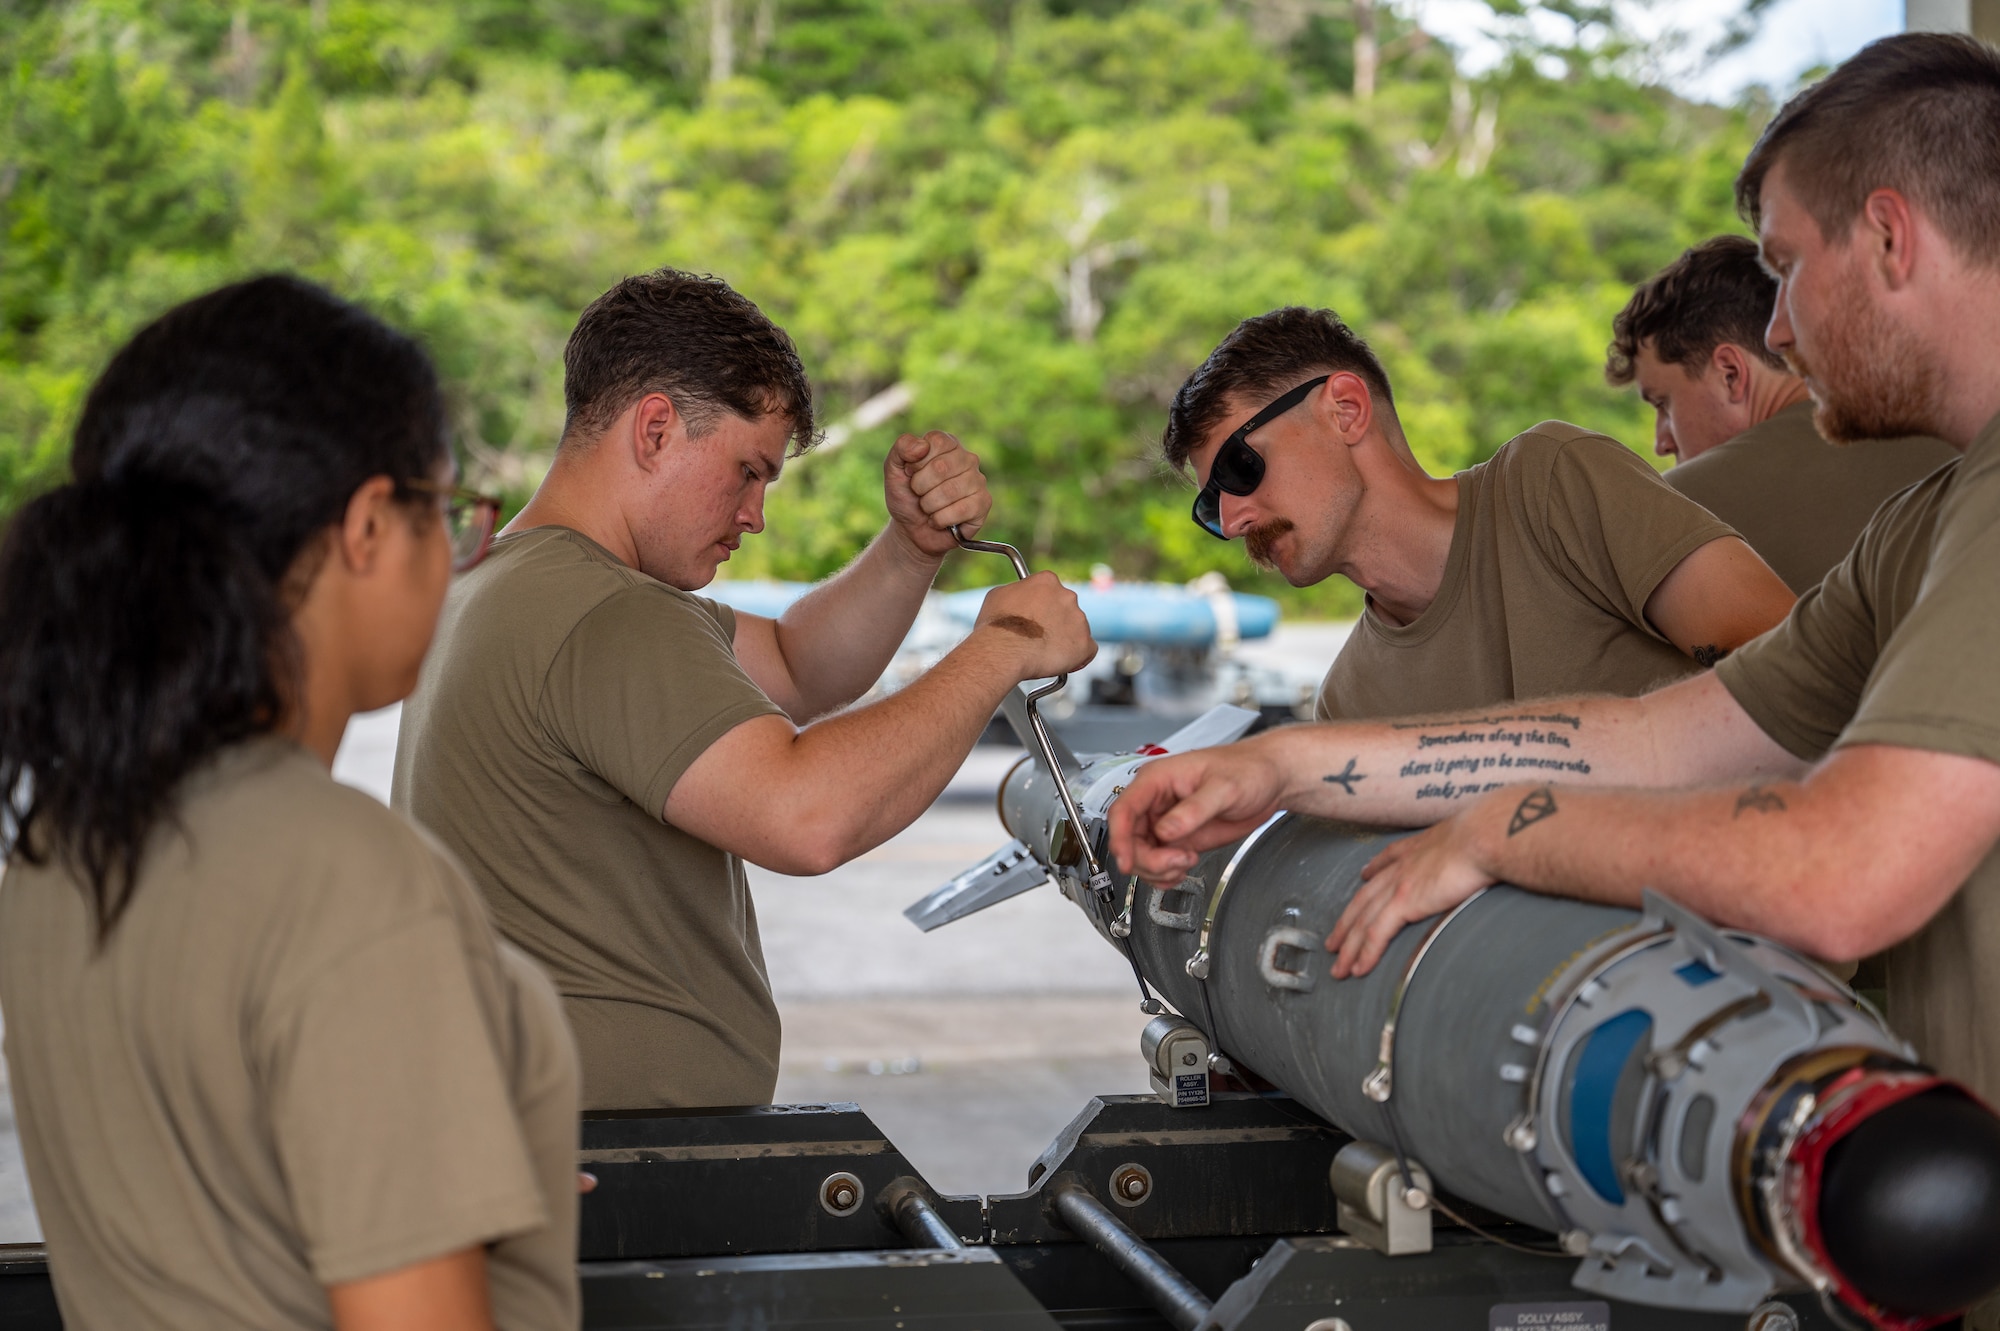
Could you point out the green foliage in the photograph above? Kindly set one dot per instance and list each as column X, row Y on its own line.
column 1038, row 215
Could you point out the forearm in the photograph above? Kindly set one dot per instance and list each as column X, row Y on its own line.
column 1410, row 773
column 1414, row 772
column 842, row 786
column 1605, row 846
column 1849, row 860
column 896, row 755
column 836, row 641
column 1739, row 856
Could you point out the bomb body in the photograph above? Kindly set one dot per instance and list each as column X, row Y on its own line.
column 1675, row 1102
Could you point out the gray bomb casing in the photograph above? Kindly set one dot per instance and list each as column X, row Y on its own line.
column 1594, row 1071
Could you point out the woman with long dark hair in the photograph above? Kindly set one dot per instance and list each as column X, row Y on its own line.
column 271, row 1065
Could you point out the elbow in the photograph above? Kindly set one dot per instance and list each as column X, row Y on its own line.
column 1854, row 921
column 1834, row 941
column 820, row 857
column 798, row 854
column 818, row 841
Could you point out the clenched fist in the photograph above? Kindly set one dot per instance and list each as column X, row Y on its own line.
column 1041, row 623
column 931, row 483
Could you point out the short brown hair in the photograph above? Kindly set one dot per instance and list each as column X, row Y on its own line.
column 691, row 337
column 1714, row 293
column 1265, row 356
column 1918, row 113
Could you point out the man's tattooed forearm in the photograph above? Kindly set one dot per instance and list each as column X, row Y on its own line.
column 1446, row 723
column 1346, row 779
column 1534, row 806
column 1454, row 773
column 1469, row 756
column 1708, row 654
column 1759, row 799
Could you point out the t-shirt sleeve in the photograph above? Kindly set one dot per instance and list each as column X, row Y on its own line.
column 390, row 1107
column 1803, row 681
column 1934, row 685
column 1800, row 682
column 1613, row 529
column 643, row 685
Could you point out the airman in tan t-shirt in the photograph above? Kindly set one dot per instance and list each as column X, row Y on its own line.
column 1799, row 501
column 1560, row 564
column 1897, row 646
column 301, row 1058
column 564, row 695
column 1560, row 540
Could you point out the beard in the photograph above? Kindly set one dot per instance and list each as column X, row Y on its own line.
column 1257, row 542
column 1869, row 376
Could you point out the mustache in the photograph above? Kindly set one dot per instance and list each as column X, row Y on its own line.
column 1258, row 541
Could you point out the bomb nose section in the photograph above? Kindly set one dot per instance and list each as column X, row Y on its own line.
column 1909, row 1204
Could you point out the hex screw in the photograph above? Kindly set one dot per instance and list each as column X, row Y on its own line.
column 840, row 1194
column 1131, row 1184
column 1773, row 1316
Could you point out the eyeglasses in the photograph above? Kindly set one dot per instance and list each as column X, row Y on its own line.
column 1238, row 469
column 469, row 517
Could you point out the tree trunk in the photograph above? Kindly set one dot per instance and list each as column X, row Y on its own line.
column 763, row 28
column 1366, row 52
column 721, row 41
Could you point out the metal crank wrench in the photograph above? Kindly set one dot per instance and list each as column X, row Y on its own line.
column 1100, row 881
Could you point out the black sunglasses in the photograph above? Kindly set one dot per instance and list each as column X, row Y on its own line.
column 1238, row 469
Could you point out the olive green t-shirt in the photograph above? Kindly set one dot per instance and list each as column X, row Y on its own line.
column 564, row 695
column 1897, row 646
column 1798, row 500
column 301, row 1058
column 1560, row 539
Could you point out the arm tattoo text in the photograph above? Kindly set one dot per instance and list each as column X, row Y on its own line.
column 1461, row 758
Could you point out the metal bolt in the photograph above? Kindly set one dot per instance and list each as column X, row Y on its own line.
column 1329, row 1324
column 1131, row 1184
column 1576, row 1242
column 840, row 1194
column 1772, row 1316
